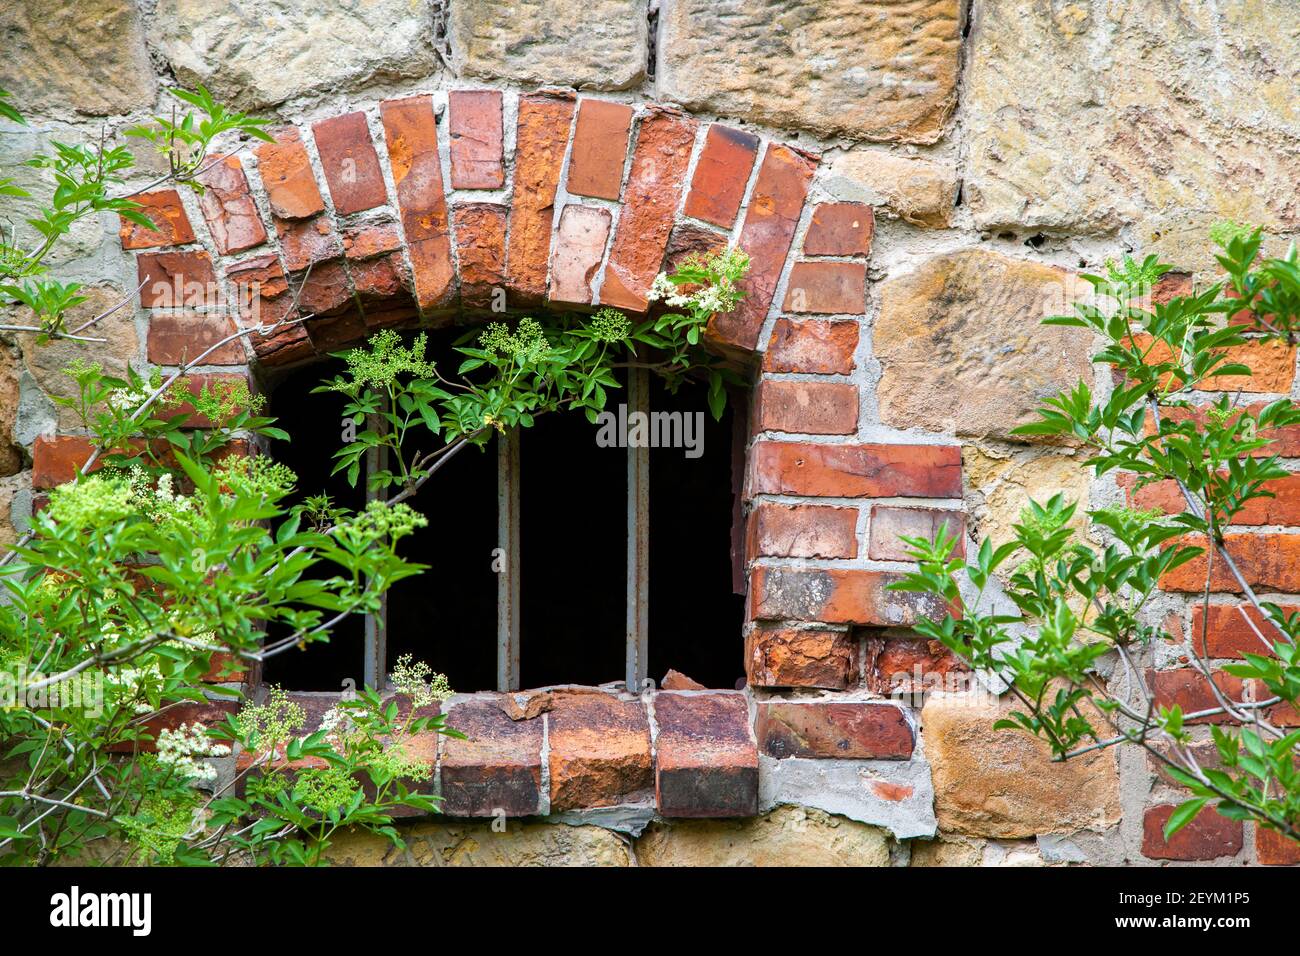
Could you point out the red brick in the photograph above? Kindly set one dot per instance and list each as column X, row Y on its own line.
column 827, row 288
column 856, row 471
column 836, row 596
column 912, row 665
column 770, row 222
column 261, row 276
column 350, row 163
column 579, row 248
column 840, row 229
column 55, row 459
column 1282, row 509
column 814, row 346
column 1188, row 689
column 325, row 289
column 689, row 239
column 164, row 209
column 287, row 175
column 207, row 714
column 849, row 730
column 706, row 758
column 262, row 291
column 481, row 249
column 889, row 523
column 808, row 408
column 1207, row 837
column 174, row 280
column 307, row 242
column 287, row 346
column 654, row 188
column 1268, row 562
column 599, row 752
column 380, row 279
column 365, row 242
column 794, row 657
column 803, row 531
column 474, row 132
column 228, row 207
column 1228, row 634
column 498, row 767
column 225, row 669
column 1284, row 442
column 599, row 149
column 337, row 332
column 1272, row 365
column 1275, row 849
column 540, row 141
column 412, row 135
column 176, row 338
column 721, row 175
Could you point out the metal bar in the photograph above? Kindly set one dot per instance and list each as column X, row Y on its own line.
column 375, row 667
column 638, row 539
column 507, row 561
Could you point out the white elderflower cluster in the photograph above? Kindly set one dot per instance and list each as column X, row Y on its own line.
column 127, row 400
column 186, row 749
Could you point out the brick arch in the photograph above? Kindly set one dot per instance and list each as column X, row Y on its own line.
column 413, row 209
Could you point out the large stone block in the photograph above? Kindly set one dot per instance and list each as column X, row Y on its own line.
column 11, row 456
column 478, row 844
column 88, row 57
column 1003, row 783
column 1091, row 116
column 962, row 346
column 882, row 70
column 918, row 190
column 788, row 836
column 598, row 44
column 258, row 55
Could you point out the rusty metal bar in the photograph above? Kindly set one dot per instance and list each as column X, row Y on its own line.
column 374, row 670
column 638, row 539
column 507, row 561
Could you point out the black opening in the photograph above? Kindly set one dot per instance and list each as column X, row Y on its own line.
column 695, row 616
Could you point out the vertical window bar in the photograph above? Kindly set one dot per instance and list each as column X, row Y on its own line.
column 508, row 603
column 638, row 539
column 375, row 668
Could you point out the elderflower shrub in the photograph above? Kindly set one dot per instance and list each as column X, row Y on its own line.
column 526, row 344
column 185, row 750
column 417, row 680
column 93, row 502
column 159, row 827
column 269, row 726
column 325, row 790
column 381, row 364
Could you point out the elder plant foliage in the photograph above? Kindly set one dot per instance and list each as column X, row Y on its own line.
column 161, row 566
column 1079, row 603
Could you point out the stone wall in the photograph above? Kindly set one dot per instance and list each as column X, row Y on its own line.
column 918, row 183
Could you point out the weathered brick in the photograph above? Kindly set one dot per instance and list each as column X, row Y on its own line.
column 540, row 141
column 721, row 175
column 836, row 596
column 350, row 163
column 325, row 289
column 475, row 134
column 827, row 288
column 803, row 531
column 706, row 757
column 599, row 149
column 799, row 657
column 207, row 714
column 481, row 249
column 164, row 209
column 1228, row 633
column 1275, row 849
column 367, row 241
column 287, row 176
column 1272, row 365
column 412, row 135
column 579, row 247
column 770, row 222
column 1284, row 442
column 498, row 767
column 336, row 332
column 1282, row 509
column 689, row 238
column 846, row 730
column 1188, row 689
column 809, row 408
column 814, row 346
column 840, row 229
column 56, row 458
column 262, row 294
column 889, row 523
column 306, row 242
column 178, row 337
column 654, row 187
column 379, row 279
column 911, row 665
column 599, row 751
column 856, row 471
column 1207, row 837
column 228, row 207
column 175, row 280
column 1269, row 562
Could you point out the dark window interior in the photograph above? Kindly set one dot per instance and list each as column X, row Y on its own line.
column 573, row 503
